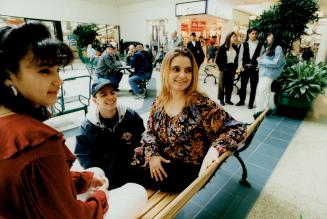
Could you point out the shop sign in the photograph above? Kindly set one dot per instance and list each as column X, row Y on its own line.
column 184, row 27
column 198, row 25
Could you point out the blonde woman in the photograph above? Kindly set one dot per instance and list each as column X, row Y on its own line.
column 183, row 125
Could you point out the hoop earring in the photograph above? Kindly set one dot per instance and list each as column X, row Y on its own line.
column 14, row 90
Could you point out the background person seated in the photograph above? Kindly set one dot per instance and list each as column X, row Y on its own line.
column 148, row 55
column 142, row 71
column 106, row 68
column 159, row 57
column 109, row 135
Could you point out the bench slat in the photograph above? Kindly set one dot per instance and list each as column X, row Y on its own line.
column 153, row 201
column 173, row 208
column 160, row 206
column 150, row 192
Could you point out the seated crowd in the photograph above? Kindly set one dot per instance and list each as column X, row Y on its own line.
column 138, row 59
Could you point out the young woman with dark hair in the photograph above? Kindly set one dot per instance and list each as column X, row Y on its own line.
column 271, row 65
column 36, row 181
column 227, row 61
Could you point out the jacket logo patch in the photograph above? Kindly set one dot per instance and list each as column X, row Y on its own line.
column 127, row 136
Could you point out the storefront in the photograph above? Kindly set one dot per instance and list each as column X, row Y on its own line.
column 63, row 30
column 206, row 26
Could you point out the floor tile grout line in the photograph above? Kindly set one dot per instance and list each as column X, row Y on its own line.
column 233, row 174
column 220, row 189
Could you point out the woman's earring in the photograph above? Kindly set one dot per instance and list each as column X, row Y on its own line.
column 14, row 90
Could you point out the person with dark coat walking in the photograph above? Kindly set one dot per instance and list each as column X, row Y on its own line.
column 196, row 49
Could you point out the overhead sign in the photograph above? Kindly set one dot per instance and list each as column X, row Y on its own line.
column 198, row 25
column 184, row 27
column 191, row 8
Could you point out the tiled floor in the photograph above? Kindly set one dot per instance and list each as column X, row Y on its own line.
column 223, row 196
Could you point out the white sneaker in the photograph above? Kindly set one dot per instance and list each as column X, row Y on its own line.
column 140, row 96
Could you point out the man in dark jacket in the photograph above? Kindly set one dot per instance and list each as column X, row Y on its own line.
column 196, row 49
column 109, row 135
column 148, row 56
column 107, row 66
column 250, row 50
column 142, row 70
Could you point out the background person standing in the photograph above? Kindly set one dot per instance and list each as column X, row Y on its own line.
column 250, row 50
column 271, row 65
column 174, row 41
column 227, row 62
column 196, row 49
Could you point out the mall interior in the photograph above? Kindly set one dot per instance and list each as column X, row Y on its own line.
column 286, row 160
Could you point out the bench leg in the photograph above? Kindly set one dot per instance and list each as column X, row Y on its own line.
column 205, row 79
column 243, row 180
column 210, row 75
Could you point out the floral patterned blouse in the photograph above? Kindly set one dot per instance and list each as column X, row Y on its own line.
column 188, row 135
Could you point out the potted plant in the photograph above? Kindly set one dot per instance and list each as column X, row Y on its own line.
column 287, row 17
column 301, row 83
column 86, row 34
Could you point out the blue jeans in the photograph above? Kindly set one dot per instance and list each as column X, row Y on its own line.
column 135, row 79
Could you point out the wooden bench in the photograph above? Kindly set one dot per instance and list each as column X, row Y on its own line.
column 167, row 205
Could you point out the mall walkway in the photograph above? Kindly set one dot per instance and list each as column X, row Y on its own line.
column 286, row 163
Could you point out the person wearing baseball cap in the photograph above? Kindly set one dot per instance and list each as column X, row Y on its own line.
column 108, row 64
column 109, row 134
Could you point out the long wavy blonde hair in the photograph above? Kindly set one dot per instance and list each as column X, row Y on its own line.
column 165, row 93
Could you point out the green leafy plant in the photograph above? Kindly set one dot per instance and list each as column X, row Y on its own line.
column 304, row 81
column 85, row 34
column 289, row 18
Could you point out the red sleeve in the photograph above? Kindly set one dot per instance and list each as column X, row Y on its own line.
column 81, row 180
column 46, row 188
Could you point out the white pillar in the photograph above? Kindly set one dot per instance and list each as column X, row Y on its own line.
column 322, row 50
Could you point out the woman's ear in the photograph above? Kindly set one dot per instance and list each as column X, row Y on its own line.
column 8, row 82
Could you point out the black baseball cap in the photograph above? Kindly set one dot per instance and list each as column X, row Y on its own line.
column 100, row 83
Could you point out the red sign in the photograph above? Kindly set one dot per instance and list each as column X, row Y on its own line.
column 184, row 27
column 198, row 25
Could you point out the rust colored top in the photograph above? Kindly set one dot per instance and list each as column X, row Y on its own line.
column 35, row 177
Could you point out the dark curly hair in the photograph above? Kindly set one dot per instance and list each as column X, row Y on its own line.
column 15, row 43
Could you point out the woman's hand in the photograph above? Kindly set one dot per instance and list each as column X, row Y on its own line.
column 156, row 170
column 210, row 157
column 99, row 181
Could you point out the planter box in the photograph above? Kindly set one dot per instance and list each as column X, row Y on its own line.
column 285, row 100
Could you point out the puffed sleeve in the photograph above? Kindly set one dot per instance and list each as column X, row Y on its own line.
column 46, row 189
column 81, row 180
column 224, row 131
column 277, row 62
